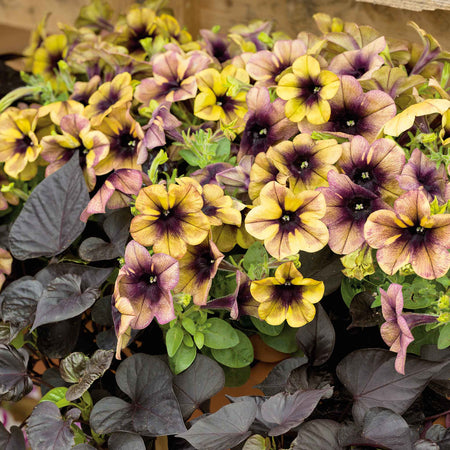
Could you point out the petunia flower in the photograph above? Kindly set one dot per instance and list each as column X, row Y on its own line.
column 250, row 32
column 410, row 234
column 307, row 90
column 348, row 206
column 265, row 66
column 354, row 112
column 5, row 265
column 115, row 192
column 6, row 198
column 125, row 137
column 240, row 302
column 265, row 123
column 420, row 171
column 216, row 44
column 110, row 95
column 19, row 146
column 287, row 296
column 396, row 331
column 57, row 110
column 77, row 136
column 198, row 267
column 173, row 77
column 304, row 162
column 288, row 222
column 263, row 171
column 142, row 289
column 170, row 219
column 216, row 101
column 207, row 175
column 374, row 166
column 235, row 180
column 360, row 63
column 82, row 90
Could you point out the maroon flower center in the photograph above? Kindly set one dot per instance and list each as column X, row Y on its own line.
column 107, row 102
column 256, row 136
column 124, row 144
column 226, row 103
column 22, row 145
column 287, row 293
column 359, row 208
column 289, row 221
column 363, row 176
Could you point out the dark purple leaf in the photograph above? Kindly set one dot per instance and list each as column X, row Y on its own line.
column 95, row 367
column 116, row 227
column 278, row 376
column 224, row 429
column 48, row 430
column 154, row 410
column 439, row 434
column 369, row 374
column 63, row 299
column 12, row 440
column 286, row 411
column 318, row 434
column 317, row 338
column 362, row 314
column 50, row 219
column 14, row 380
column 101, row 312
column 18, row 303
column 91, row 277
column 53, row 378
column 83, row 447
column 73, row 366
column 424, row 444
column 57, row 340
column 325, row 266
column 126, row 441
column 106, row 340
column 381, row 428
column 198, row 383
column 308, row 377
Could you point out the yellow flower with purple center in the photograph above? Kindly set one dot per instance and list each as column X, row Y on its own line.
column 110, row 95
column 410, row 235
column 287, row 296
column 198, row 267
column 77, row 137
column 303, row 162
column 142, row 289
column 125, row 137
column 307, row 90
column 170, row 218
column 19, row 146
column 45, row 59
column 263, row 171
column 288, row 222
column 216, row 101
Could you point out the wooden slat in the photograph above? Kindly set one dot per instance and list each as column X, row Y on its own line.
column 413, row 5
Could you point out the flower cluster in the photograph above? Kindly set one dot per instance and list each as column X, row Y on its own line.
column 230, row 143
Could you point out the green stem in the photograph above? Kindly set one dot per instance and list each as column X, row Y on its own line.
column 16, row 94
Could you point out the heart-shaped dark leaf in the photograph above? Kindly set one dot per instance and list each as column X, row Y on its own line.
column 12, row 440
column 116, row 227
column 126, row 441
column 224, row 429
column 317, row 338
column 106, row 340
column 424, row 444
column 154, row 410
column 362, row 313
column 63, row 299
column 278, row 376
column 73, row 366
column 323, row 265
column 286, row 411
column 381, row 428
column 198, row 383
column 50, row 219
column 48, row 430
column 91, row 277
column 369, row 374
column 320, row 434
column 308, row 377
column 101, row 312
column 18, row 303
column 14, row 380
column 95, row 368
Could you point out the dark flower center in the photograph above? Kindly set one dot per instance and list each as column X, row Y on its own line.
column 346, row 122
column 363, row 176
column 124, row 144
column 289, row 221
column 171, row 86
column 360, row 208
column 110, row 100
column 220, row 50
column 152, row 279
column 256, row 137
column 23, row 144
column 202, row 265
column 209, row 210
column 288, row 293
column 226, row 103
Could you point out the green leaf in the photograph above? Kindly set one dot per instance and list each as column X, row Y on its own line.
column 422, row 337
column 223, row 150
column 240, row 355
column 189, row 325
column 174, row 338
column 220, row 334
column 255, row 255
column 199, row 339
column 235, row 377
column 189, row 157
column 265, row 328
column 444, row 337
column 182, row 359
column 57, row 396
column 349, row 290
column 187, row 340
column 285, row 342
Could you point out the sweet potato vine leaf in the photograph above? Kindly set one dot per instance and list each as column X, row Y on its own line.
column 50, row 220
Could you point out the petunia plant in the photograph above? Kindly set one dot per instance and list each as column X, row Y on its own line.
column 179, row 212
